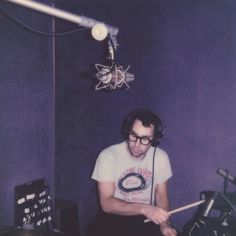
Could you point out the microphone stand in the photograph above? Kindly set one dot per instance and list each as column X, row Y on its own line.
column 226, row 182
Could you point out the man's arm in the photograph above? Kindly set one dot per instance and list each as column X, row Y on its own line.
column 162, row 200
column 110, row 204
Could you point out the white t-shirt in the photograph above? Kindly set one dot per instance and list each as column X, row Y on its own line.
column 132, row 177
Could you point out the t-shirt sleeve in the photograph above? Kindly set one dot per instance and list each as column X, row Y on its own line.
column 164, row 171
column 104, row 167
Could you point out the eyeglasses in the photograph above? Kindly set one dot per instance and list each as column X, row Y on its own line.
column 143, row 140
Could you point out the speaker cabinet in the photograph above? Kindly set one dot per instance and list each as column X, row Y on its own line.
column 66, row 217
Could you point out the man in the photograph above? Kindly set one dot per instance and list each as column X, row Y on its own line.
column 132, row 179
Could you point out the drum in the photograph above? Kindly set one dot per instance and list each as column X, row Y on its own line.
column 220, row 222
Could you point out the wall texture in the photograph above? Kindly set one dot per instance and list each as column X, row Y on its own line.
column 26, row 104
column 183, row 55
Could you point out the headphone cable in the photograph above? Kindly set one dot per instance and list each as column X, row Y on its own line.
column 153, row 169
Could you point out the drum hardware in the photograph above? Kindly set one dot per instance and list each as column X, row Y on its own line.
column 202, row 224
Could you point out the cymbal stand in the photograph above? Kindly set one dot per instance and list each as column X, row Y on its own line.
column 226, row 182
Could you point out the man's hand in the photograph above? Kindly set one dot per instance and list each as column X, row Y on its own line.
column 167, row 230
column 155, row 214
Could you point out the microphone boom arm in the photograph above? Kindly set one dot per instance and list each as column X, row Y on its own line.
column 81, row 20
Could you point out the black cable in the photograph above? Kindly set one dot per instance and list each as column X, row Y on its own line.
column 153, row 169
column 14, row 18
column 112, row 60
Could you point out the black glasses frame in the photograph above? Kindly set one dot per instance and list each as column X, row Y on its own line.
column 141, row 139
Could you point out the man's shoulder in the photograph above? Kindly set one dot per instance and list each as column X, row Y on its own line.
column 113, row 147
column 161, row 153
column 161, row 150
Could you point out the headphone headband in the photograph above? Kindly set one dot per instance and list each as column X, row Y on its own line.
column 147, row 117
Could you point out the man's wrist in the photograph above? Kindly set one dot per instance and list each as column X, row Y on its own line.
column 165, row 224
column 143, row 209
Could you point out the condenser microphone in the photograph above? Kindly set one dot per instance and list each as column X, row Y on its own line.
column 113, row 77
column 226, row 175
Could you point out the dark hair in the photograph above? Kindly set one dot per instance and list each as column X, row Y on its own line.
column 147, row 118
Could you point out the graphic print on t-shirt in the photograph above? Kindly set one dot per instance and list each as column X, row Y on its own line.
column 133, row 182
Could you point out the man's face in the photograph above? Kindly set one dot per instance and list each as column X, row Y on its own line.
column 136, row 148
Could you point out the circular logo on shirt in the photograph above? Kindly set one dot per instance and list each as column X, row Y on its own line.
column 132, row 182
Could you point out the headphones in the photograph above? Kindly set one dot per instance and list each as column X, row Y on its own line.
column 147, row 118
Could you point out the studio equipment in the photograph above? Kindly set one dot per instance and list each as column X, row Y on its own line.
column 110, row 76
column 100, row 30
column 217, row 216
column 33, row 206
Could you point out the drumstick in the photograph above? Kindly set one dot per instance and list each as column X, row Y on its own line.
column 186, row 207
column 182, row 208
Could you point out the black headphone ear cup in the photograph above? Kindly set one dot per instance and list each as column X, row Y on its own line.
column 157, row 138
column 155, row 142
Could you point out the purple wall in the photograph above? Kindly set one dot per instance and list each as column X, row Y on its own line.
column 26, row 104
column 183, row 55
